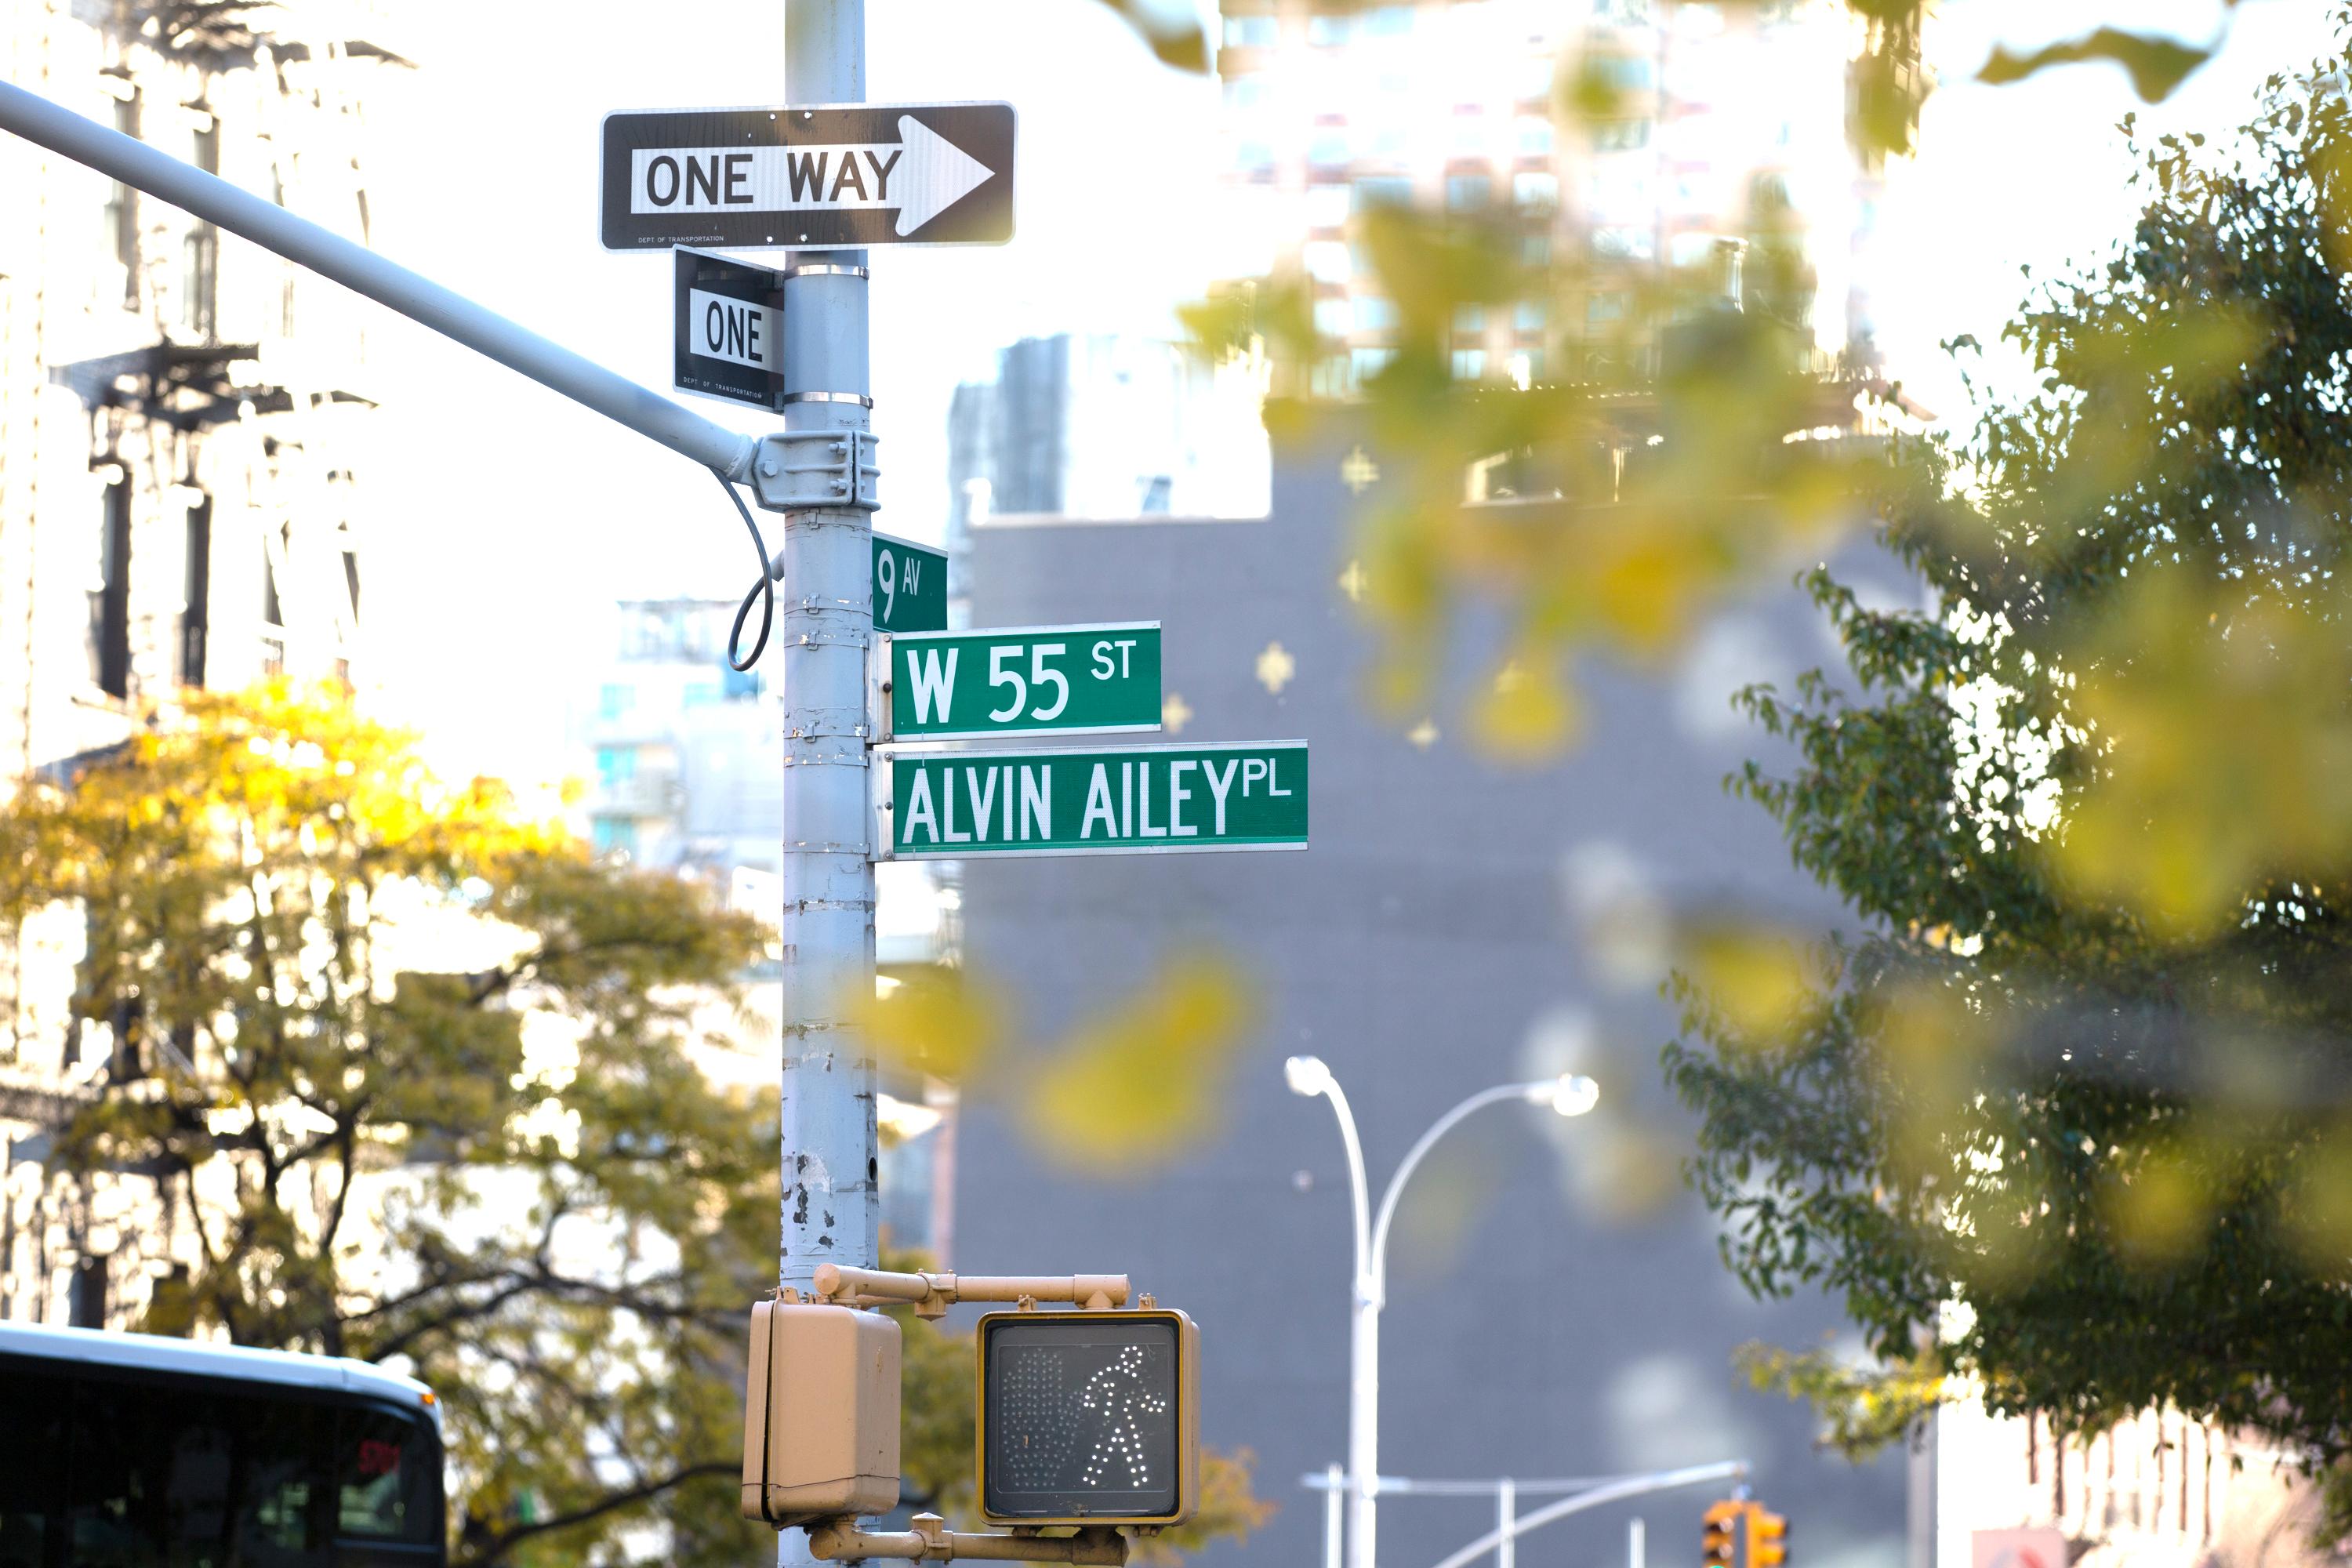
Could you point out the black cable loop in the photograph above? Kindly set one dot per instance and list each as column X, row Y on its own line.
column 765, row 591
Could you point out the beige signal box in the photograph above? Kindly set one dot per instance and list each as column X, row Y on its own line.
column 820, row 1414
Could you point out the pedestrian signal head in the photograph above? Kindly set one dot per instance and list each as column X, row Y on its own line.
column 1088, row 1417
column 1768, row 1538
column 1716, row 1535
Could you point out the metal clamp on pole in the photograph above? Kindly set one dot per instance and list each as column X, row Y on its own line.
column 798, row 469
column 932, row 1294
column 840, row 1540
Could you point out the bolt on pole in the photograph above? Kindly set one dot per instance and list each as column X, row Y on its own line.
column 827, row 1135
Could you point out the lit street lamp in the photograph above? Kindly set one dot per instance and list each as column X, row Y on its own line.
column 1569, row 1094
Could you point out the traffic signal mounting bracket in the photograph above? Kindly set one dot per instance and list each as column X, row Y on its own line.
column 932, row 1294
column 840, row 1540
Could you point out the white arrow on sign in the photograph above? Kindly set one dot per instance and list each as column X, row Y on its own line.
column 921, row 174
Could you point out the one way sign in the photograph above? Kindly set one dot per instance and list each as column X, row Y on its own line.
column 838, row 178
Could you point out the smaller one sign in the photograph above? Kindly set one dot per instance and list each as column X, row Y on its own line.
column 911, row 586
column 1024, row 680
column 727, row 329
column 1149, row 800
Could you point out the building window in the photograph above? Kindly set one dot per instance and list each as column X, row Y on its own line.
column 1469, row 364
column 1468, row 193
column 1601, row 308
column 1382, row 191
column 86, row 1300
column 1620, row 135
column 699, row 694
column 615, row 765
column 1530, row 316
column 1326, row 206
column 1387, row 21
column 1535, row 250
column 1375, row 313
column 1366, row 363
column 200, row 265
column 1327, row 147
column 122, row 207
column 614, row 836
column 1537, row 192
column 1252, row 32
column 1332, row 318
column 1469, row 318
column 109, row 598
column 196, row 613
column 1329, row 32
column 1534, row 136
column 614, row 698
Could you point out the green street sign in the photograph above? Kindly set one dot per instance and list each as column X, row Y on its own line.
column 1149, row 800
column 911, row 587
column 1024, row 680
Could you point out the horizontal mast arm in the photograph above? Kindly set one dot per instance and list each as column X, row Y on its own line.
column 329, row 254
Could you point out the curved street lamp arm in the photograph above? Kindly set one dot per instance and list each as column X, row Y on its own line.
column 1438, row 1129
column 1358, row 1184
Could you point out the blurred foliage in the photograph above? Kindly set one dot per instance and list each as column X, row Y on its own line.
column 1867, row 1407
column 1126, row 1089
column 379, row 1159
column 1887, row 85
column 2073, row 1120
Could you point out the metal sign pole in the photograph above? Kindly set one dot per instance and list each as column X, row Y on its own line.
column 828, row 1147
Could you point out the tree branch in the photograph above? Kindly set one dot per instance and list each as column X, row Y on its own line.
column 494, row 1548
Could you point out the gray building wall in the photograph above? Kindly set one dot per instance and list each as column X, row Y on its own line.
column 1440, row 936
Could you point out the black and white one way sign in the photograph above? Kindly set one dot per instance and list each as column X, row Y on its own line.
column 818, row 179
column 728, row 336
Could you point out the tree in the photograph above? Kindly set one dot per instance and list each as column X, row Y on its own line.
column 410, row 1073
column 2069, row 1118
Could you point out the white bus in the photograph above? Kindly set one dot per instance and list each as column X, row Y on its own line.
column 131, row 1451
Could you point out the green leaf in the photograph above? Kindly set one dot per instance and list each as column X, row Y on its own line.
column 2157, row 64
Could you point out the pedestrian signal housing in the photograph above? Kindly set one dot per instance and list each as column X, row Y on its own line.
column 820, row 1414
column 1716, row 1533
column 1089, row 1418
column 1768, row 1538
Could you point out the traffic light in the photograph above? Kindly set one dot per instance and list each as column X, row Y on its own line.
column 821, row 1419
column 1767, row 1537
column 1717, row 1536
column 1088, row 1417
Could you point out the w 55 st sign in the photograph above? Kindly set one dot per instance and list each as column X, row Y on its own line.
column 1024, row 680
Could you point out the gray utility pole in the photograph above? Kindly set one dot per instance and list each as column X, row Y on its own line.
column 828, row 1144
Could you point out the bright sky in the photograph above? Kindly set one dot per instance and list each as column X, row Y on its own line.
column 512, row 520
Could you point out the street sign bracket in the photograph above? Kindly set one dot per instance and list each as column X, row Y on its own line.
column 798, row 469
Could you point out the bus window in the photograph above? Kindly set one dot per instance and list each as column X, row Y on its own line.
column 32, row 1465
column 194, row 1479
column 387, row 1466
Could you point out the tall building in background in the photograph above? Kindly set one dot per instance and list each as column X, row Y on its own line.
column 1106, row 426
column 184, row 461
column 1704, row 123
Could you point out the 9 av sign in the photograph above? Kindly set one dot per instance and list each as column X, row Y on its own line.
column 961, row 685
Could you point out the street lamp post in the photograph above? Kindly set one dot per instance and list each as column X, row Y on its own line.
column 1571, row 1094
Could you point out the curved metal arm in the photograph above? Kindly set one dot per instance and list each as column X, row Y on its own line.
column 1438, row 1129
column 1358, row 1184
column 356, row 268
